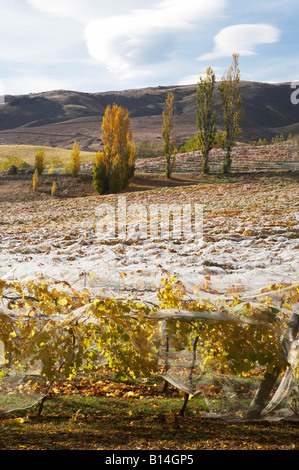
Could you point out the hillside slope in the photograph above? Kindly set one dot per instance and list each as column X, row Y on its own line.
column 56, row 118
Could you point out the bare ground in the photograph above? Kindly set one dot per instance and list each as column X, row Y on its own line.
column 18, row 188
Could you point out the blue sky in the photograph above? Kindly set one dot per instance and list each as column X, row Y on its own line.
column 100, row 45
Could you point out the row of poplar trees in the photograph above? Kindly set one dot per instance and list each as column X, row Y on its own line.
column 232, row 111
column 115, row 164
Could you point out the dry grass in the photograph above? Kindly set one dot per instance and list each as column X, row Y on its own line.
column 56, row 157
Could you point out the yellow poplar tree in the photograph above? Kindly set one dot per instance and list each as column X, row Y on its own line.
column 35, row 180
column 115, row 164
column 40, row 161
column 53, row 189
column 75, row 160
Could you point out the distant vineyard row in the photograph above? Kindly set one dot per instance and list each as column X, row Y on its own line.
column 245, row 158
column 280, row 157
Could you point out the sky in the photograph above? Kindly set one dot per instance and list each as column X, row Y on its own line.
column 105, row 45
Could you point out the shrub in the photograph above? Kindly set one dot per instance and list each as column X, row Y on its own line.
column 146, row 150
column 192, row 145
column 13, row 161
column 57, row 162
column 13, row 170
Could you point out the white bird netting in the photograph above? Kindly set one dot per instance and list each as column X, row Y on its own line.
column 221, row 355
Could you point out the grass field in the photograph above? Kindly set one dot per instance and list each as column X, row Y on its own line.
column 55, row 157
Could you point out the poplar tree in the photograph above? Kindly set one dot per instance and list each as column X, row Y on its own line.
column 40, row 161
column 115, row 164
column 35, row 180
column 168, row 135
column 206, row 116
column 233, row 113
column 53, row 189
column 75, row 160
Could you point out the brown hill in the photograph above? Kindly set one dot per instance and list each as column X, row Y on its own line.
column 57, row 118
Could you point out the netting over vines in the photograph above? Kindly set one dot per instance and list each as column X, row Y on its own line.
column 225, row 348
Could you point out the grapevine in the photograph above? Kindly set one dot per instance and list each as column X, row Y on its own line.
column 60, row 331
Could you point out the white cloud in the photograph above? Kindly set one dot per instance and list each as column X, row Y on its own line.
column 30, row 83
column 125, row 43
column 141, row 34
column 194, row 79
column 63, row 9
column 26, row 37
column 189, row 80
column 84, row 11
column 95, row 44
column 242, row 39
